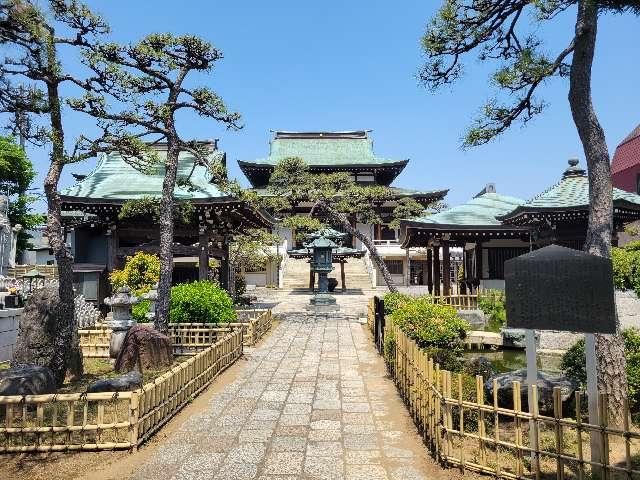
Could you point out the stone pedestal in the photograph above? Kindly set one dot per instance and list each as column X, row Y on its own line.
column 120, row 321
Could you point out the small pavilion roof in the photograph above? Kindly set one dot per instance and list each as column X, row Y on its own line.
column 338, row 253
column 475, row 218
column 569, row 198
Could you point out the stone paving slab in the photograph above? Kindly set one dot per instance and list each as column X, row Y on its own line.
column 312, row 402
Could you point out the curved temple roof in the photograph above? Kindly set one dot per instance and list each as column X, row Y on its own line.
column 115, row 179
column 571, row 193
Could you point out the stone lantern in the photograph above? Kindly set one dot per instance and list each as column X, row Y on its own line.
column 322, row 263
column 152, row 296
column 121, row 320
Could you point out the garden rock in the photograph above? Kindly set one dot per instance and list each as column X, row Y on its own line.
column 480, row 366
column 37, row 331
column 546, row 383
column 27, row 380
column 123, row 383
column 145, row 347
column 476, row 318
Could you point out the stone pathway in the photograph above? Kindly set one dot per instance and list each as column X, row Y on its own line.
column 312, row 402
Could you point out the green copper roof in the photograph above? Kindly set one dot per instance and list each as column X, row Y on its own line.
column 571, row 192
column 481, row 210
column 114, row 179
column 323, row 149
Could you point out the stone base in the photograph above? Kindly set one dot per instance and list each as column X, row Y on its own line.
column 115, row 345
column 321, row 309
column 322, row 299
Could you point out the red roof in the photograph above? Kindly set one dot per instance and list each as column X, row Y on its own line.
column 627, row 153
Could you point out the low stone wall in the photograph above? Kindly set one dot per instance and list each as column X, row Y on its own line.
column 628, row 306
column 9, row 323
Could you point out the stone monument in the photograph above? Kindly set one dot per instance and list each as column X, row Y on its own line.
column 8, row 237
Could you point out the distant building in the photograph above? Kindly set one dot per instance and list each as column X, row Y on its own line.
column 625, row 172
column 40, row 253
column 625, row 167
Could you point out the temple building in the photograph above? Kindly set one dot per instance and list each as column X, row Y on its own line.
column 492, row 228
column 352, row 152
column 625, row 173
column 101, row 240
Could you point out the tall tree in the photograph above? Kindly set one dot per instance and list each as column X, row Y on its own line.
column 335, row 198
column 31, row 81
column 148, row 84
column 16, row 176
column 494, row 30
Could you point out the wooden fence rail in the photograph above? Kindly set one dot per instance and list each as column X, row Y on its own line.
column 109, row 421
column 187, row 338
column 512, row 441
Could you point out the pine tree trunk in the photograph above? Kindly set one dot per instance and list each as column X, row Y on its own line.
column 609, row 348
column 373, row 251
column 166, row 237
column 69, row 355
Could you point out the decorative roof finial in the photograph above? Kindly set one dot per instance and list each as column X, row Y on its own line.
column 574, row 170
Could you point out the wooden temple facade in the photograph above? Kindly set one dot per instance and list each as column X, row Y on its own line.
column 101, row 239
column 351, row 152
column 492, row 228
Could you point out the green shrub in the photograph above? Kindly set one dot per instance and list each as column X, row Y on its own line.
column 491, row 302
column 574, row 365
column 140, row 273
column 431, row 325
column 393, row 300
column 626, row 267
column 200, row 302
column 240, row 288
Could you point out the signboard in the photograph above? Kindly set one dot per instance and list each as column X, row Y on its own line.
column 558, row 288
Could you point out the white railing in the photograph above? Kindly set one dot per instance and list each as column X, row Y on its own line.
column 386, row 243
column 371, row 269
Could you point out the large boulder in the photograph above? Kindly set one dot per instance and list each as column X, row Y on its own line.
column 27, row 380
column 145, row 348
column 123, row 383
column 546, row 383
column 39, row 325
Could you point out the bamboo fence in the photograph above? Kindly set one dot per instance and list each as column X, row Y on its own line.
column 462, row 428
column 187, row 338
column 110, row 421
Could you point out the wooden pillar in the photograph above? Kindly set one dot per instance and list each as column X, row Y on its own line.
column 446, row 269
column 479, row 267
column 430, row 270
column 203, row 256
column 312, row 278
column 436, row 270
column 225, row 266
column 407, row 276
column 342, row 276
column 112, row 248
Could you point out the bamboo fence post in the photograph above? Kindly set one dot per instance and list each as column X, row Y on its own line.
column 461, row 423
column 535, row 430
column 557, row 415
column 517, row 407
column 603, row 403
column 481, row 422
column 579, row 435
column 496, row 428
column 449, row 414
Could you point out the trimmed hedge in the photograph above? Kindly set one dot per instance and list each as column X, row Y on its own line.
column 200, row 302
column 574, row 365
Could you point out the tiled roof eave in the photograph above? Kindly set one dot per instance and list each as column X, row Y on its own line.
column 618, row 204
column 409, row 230
column 377, row 165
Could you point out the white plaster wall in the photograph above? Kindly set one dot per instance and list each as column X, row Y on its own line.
column 9, row 323
column 258, row 279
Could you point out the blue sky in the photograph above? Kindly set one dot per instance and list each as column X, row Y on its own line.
column 352, row 65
